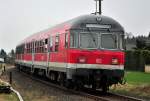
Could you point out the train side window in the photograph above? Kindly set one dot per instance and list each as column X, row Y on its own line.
column 56, row 42
column 41, row 48
column 41, row 43
column 73, row 40
column 50, row 44
column 66, row 40
column 31, row 47
column 46, row 41
column 45, row 45
column 36, row 46
column 27, row 48
column 38, row 50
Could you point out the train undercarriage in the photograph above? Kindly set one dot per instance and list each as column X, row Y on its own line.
column 79, row 78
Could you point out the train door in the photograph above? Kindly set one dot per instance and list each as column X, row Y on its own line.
column 66, row 46
column 49, row 49
column 33, row 53
column 68, row 70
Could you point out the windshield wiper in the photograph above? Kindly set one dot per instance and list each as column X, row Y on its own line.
column 93, row 39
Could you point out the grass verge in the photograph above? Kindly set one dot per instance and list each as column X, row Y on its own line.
column 138, row 85
column 8, row 97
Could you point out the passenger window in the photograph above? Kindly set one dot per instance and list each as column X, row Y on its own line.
column 73, row 41
column 46, row 41
column 66, row 40
column 56, row 43
column 50, row 44
column 45, row 45
column 33, row 47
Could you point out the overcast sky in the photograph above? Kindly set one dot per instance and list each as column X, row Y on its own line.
column 21, row 18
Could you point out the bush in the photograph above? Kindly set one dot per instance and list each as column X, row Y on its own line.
column 146, row 55
column 134, row 60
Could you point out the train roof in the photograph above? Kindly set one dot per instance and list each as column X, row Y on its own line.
column 76, row 23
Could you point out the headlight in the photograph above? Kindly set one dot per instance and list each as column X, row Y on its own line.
column 82, row 59
column 114, row 61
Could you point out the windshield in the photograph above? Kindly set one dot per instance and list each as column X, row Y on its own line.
column 88, row 40
column 93, row 40
column 108, row 41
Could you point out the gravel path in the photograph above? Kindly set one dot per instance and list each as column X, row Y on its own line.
column 35, row 91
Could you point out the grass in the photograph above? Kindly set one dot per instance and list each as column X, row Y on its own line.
column 8, row 97
column 138, row 85
column 137, row 78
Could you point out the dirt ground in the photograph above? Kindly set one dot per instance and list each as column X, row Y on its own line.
column 35, row 91
column 140, row 91
column 8, row 97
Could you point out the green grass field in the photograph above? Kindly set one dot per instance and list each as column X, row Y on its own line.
column 137, row 78
column 137, row 85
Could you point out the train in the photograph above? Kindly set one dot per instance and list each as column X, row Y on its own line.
column 85, row 51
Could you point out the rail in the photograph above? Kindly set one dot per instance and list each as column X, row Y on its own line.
column 95, row 95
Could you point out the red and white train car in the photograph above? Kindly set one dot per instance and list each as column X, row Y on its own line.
column 87, row 50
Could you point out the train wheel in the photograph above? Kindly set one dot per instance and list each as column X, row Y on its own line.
column 36, row 71
column 78, row 85
column 104, row 86
column 94, row 86
column 68, row 84
column 18, row 67
column 61, row 79
column 54, row 76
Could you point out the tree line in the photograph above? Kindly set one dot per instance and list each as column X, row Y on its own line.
column 140, row 47
column 8, row 57
column 141, row 42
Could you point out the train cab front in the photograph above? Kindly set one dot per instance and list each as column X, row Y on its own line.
column 99, row 59
column 95, row 54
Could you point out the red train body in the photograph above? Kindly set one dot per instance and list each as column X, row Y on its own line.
column 87, row 50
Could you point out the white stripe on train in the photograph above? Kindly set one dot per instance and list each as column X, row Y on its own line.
column 56, row 65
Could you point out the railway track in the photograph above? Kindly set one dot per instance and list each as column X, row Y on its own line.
column 87, row 93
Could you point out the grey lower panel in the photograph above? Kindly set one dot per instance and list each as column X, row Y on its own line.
column 24, row 64
column 40, row 67
column 90, row 72
column 60, row 69
column 70, row 73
